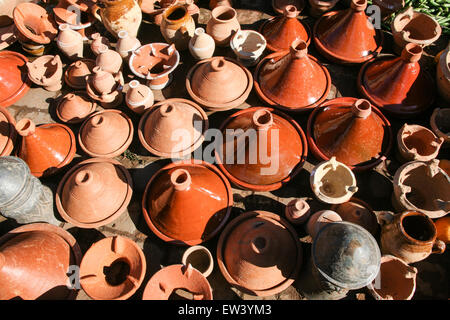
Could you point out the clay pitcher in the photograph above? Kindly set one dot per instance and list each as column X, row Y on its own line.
column 177, row 26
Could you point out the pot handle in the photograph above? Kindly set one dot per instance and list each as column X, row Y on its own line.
column 94, row 12
column 438, row 247
column 385, row 217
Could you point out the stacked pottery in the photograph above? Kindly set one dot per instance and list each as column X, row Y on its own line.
column 177, row 27
column 76, row 73
column 418, row 143
column 248, row 46
column 297, row 211
column 46, row 71
column 109, row 60
column 97, row 42
column 70, row 42
column 440, row 123
column 202, row 45
column 443, row 75
column 75, row 107
column 7, row 132
column 126, row 45
column 139, row 97
column 15, row 81
column 105, row 87
column 319, row 220
column 223, row 25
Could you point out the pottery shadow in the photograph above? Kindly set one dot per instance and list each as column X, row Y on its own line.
column 8, row 225
column 85, row 237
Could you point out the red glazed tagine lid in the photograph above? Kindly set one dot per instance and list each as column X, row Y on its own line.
column 187, row 203
column 107, row 134
column 269, row 149
column 219, row 83
column 292, row 81
column 34, row 262
column 173, row 128
column 398, row 85
column 14, row 81
column 352, row 130
column 347, row 36
column 259, row 253
column 282, row 30
column 7, row 132
column 112, row 269
column 46, row 148
column 94, row 193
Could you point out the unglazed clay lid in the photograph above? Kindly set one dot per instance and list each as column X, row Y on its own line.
column 7, row 132
column 76, row 73
column 14, row 82
column 294, row 80
column 281, row 143
column 281, row 31
column 14, row 172
column 346, row 254
column 187, row 202
column 348, row 36
column 173, row 128
column 75, row 107
column 94, row 193
column 259, row 253
column 352, row 130
column 106, row 133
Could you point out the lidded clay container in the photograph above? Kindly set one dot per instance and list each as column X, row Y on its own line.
column 76, row 73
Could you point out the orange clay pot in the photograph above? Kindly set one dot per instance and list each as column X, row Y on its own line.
column 75, row 107
column 76, row 73
column 109, row 60
column 14, row 82
column 7, row 132
column 415, row 142
column 443, row 229
column 139, row 98
column 223, row 25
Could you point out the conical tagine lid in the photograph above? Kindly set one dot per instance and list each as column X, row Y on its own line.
column 259, row 253
column 7, row 132
column 76, row 73
column 94, row 193
column 187, row 202
column 75, row 107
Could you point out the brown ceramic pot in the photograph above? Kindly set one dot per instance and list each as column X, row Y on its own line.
column 75, row 107
column 415, row 142
column 7, row 132
column 14, row 82
column 76, row 73
column 443, row 229
column 177, row 26
column 223, row 25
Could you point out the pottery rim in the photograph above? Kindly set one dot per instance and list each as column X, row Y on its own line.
column 8, row 148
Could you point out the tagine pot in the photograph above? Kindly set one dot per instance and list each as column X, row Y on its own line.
column 139, row 98
column 105, row 87
column 70, row 42
column 173, row 128
column 259, row 253
column 443, row 75
column 415, row 142
column 332, row 30
column 109, row 60
column 319, row 220
column 168, row 280
column 360, row 136
column 297, row 211
column 56, row 139
column 248, row 45
column 75, row 75
column 200, row 258
column 279, row 5
column 201, row 45
column 177, row 26
column 187, row 203
column 223, row 25
column 410, row 236
column 35, row 260
column 219, row 83
column 443, row 229
column 14, row 82
column 273, row 154
column 75, row 107
column 126, row 45
column 7, row 132
column 112, row 269
column 46, row 71
column 440, row 123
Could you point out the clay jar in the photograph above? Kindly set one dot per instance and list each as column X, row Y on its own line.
column 58, row 141
column 279, row 5
column 319, row 220
column 97, row 42
column 76, row 73
column 14, row 82
column 112, row 269
column 94, row 193
column 70, row 42
column 109, row 60
column 200, row 258
column 418, row 143
column 75, row 107
column 177, row 27
column 7, row 132
column 443, row 75
column 410, row 236
column 223, row 25
column 46, row 71
column 126, row 45
column 248, row 45
column 106, row 134
column 440, row 123
column 297, row 211
column 202, row 45
column 139, row 97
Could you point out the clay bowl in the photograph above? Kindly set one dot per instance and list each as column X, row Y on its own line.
column 200, row 258
column 7, row 132
column 14, row 81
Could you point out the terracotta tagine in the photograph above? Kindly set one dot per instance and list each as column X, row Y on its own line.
column 70, row 42
column 7, row 132
column 139, row 98
column 351, row 130
column 273, row 154
column 284, row 79
column 443, row 75
column 97, row 42
column 34, row 262
column 200, row 258
column 201, row 45
column 173, row 128
column 415, row 142
column 112, row 269
column 259, row 253
column 422, row 187
column 14, row 81
column 177, row 26
column 410, row 236
column 248, row 45
column 56, row 139
column 297, row 211
column 440, row 123
column 105, row 87
column 396, row 280
column 219, row 83
column 332, row 30
column 279, row 5
column 109, row 60
column 94, row 193
column 319, row 220
column 443, row 229
column 223, row 25
column 187, row 203
column 319, row 7
column 167, row 281
column 46, row 71
column 126, row 45
column 398, row 85
column 76, row 15
column 76, row 73
column 216, row 3
column 282, row 30
column 388, row 7
column 75, row 107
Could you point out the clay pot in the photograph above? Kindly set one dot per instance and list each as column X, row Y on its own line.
column 276, row 152
column 215, row 3
column 15, row 82
column 94, row 193
column 193, row 10
column 164, row 4
column 35, row 260
column 106, row 134
column 200, row 258
column 396, row 280
column 109, row 60
column 248, row 45
column 139, row 98
column 331, row 35
column 418, row 143
column 319, row 7
column 118, row 15
column 56, row 139
column 279, row 5
column 219, row 83
column 167, row 281
column 281, row 31
column 223, row 25
column 173, row 128
column 333, row 182
column 112, row 269
column 297, row 211
column 22, row 196
column 70, row 42
column 443, row 75
column 177, row 26
column 440, row 123
column 443, row 229
column 97, row 42
column 292, row 81
column 103, row 81
column 410, row 236
column 75, row 107
column 201, row 45
column 7, row 132
column 187, row 203
column 388, row 7
column 47, row 72
column 75, row 15
column 76, row 73
column 414, row 27
column 422, row 187
column 319, row 220
column 100, row 82
column 259, row 253
column 351, row 130
column 126, row 45
column 398, row 85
